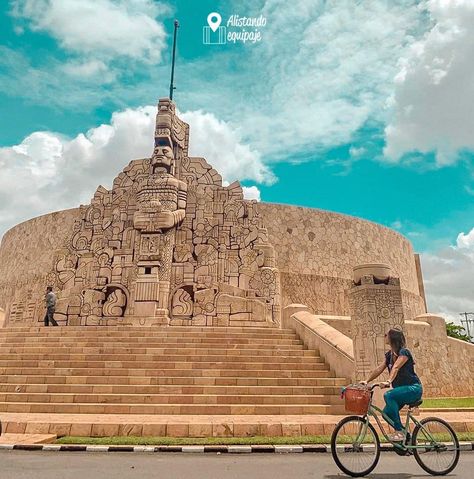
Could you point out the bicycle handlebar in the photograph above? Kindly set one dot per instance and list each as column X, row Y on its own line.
column 370, row 387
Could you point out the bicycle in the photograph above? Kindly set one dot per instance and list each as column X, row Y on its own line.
column 355, row 444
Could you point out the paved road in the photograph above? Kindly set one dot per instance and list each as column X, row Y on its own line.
column 65, row 465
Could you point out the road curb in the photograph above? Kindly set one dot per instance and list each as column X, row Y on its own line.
column 194, row 449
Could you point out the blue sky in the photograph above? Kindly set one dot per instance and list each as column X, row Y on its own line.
column 356, row 107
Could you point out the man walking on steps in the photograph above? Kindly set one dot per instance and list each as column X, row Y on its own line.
column 50, row 299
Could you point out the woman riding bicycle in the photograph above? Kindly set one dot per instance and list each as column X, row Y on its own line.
column 406, row 384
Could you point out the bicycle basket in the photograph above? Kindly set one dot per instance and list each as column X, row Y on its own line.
column 357, row 399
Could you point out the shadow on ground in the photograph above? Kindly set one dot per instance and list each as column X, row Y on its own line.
column 385, row 475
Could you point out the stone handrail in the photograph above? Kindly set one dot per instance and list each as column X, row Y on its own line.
column 335, row 347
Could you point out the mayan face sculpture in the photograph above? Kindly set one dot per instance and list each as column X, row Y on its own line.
column 162, row 160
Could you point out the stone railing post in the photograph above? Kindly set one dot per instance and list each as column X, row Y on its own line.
column 376, row 306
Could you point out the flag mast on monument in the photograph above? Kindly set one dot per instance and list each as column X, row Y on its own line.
column 172, row 87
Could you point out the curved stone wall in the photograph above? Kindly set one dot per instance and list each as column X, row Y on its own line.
column 316, row 251
column 26, row 256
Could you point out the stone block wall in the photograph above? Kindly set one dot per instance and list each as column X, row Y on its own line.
column 316, row 251
column 445, row 365
column 26, row 255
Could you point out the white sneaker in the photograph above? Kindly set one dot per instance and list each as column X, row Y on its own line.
column 397, row 436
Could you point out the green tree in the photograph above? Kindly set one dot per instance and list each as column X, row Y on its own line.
column 456, row 331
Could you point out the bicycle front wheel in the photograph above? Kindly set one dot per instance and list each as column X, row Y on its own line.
column 355, row 446
column 437, row 446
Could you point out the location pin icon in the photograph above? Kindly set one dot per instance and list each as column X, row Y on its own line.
column 214, row 20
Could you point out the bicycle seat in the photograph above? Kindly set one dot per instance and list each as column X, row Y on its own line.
column 415, row 404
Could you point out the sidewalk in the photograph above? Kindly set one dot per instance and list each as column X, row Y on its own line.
column 192, row 425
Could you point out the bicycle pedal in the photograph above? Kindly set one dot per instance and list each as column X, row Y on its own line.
column 401, row 452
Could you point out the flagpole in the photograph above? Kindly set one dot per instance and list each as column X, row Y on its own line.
column 172, row 87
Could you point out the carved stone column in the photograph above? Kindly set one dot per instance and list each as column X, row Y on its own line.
column 376, row 306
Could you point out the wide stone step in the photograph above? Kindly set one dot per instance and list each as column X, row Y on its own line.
column 162, row 362
column 145, row 359
column 59, row 398
column 173, row 381
column 232, row 409
column 181, row 372
column 166, row 389
column 158, row 372
column 191, row 351
column 171, row 333
column 150, row 342
column 146, row 329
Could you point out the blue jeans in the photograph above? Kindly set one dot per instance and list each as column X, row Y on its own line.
column 49, row 317
column 396, row 398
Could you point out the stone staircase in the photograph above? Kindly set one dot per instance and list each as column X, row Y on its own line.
column 183, row 371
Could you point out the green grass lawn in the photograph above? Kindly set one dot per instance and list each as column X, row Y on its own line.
column 447, row 402
column 188, row 441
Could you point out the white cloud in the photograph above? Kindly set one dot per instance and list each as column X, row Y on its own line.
column 70, row 86
column 251, row 193
column 448, row 276
column 222, row 146
column 322, row 70
column 48, row 171
column 108, row 28
column 434, row 95
column 357, row 153
column 91, row 69
column 466, row 241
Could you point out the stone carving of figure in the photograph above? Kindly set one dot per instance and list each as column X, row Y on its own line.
column 161, row 196
column 161, row 200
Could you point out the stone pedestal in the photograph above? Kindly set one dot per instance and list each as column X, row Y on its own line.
column 376, row 306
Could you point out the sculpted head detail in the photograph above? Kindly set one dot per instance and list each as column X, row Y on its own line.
column 163, row 157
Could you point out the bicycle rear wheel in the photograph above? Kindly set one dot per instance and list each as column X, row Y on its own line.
column 437, row 446
column 355, row 446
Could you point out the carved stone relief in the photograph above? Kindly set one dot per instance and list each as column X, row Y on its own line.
column 375, row 308
column 168, row 243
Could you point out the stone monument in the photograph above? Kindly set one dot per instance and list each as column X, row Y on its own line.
column 167, row 243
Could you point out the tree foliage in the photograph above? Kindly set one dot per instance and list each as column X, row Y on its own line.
column 456, row 331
